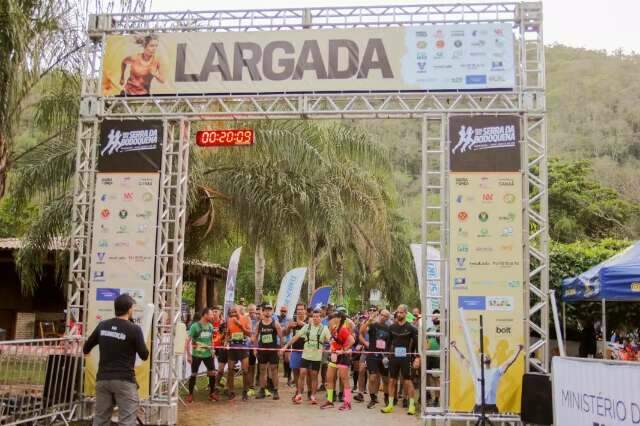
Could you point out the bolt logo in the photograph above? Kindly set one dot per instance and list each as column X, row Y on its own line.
column 503, row 330
column 483, row 216
column 462, row 216
column 123, row 214
column 105, row 213
column 509, row 198
column 487, row 197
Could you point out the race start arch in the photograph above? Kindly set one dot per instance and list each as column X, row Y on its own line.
column 472, row 74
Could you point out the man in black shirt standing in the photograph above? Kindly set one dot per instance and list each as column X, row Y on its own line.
column 403, row 340
column 119, row 341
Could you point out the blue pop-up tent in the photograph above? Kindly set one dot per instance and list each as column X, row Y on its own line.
column 615, row 279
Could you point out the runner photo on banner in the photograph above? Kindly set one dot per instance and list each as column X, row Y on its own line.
column 486, row 260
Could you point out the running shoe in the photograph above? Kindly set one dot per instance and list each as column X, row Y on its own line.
column 245, row 396
column 297, row 399
column 276, row 396
column 189, row 399
column 327, row 404
column 260, row 394
column 359, row 397
column 322, row 388
column 231, row 395
column 313, row 400
column 213, row 397
column 345, row 406
column 412, row 410
column 372, row 403
column 405, row 403
column 388, row 409
column 251, row 392
column 340, row 397
column 267, row 393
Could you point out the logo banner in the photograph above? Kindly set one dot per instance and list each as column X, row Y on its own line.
column 486, row 277
column 290, row 287
column 232, row 274
column 130, row 146
column 484, row 143
column 590, row 392
column 123, row 258
column 320, row 297
column 433, row 274
column 435, row 57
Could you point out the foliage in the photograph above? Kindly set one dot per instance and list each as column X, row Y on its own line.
column 581, row 208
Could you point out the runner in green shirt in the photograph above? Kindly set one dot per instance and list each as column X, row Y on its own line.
column 314, row 334
column 201, row 335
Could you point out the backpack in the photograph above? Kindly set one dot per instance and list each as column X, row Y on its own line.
column 320, row 331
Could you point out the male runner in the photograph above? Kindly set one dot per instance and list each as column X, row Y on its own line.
column 201, row 335
column 253, row 312
column 403, row 340
column 492, row 378
column 325, row 353
column 378, row 332
column 238, row 330
column 339, row 360
column 267, row 337
column 295, row 361
column 284, row 326
column 218, row 342
column 314, row 335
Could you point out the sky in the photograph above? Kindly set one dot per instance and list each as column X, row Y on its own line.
column 592, row 24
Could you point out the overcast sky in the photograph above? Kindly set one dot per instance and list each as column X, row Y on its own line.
column 594, row 24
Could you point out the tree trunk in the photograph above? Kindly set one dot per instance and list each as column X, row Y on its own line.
column 201, row 294
column 259, row 271
column 340, row 277
column 211, row 293
column 313, row 266
column 4, row 165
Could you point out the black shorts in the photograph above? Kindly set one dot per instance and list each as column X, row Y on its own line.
column 342, row 359
column 195, row 364
column 310, row 365
column 399, row 366
column 237, row 353
column 267, row 357
column 376, row 366
column 222, row 355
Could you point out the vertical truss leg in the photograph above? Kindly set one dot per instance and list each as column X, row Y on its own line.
column 434, row 236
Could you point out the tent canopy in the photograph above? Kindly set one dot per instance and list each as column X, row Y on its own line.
column 617, row 278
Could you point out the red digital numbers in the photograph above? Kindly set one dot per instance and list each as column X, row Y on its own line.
column 225, row 137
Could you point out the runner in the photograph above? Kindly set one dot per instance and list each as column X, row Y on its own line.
column 325, row 353
column 284, row 326
column 378, row 332
column 403, row 340
column 362, row 374
column 314, row 334
column 295, row 361
column 218, row 342
column 339, row 360
column 238, row 330
column 201, row 334
column 254, row 315
column 268, row 335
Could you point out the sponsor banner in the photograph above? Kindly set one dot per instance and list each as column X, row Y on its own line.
column 432, row 272
column 123, row 257
column 595, row 392
column 130, row 146
column 484, row 143
column 486, row 278
column 435, row 57
column 232, row 275
column 320, row 297
column 290, row 287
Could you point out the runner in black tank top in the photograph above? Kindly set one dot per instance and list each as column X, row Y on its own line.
column 267, row 339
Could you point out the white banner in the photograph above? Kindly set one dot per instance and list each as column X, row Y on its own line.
column 433, row 274
column 232, row 274
column 595, row 393
column 290, row 287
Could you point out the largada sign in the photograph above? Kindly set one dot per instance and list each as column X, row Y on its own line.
column 446, row 57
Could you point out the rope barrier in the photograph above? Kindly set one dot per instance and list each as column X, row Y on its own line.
column 249, row 348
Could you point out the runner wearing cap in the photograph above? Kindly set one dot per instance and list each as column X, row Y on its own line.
column 378, row 340
column 284, row 326
column 238, row 330
column 266, row 338
column 299, row 321
column 253, row 312
column 201, row 337
column 339, row 359
column 314, row 335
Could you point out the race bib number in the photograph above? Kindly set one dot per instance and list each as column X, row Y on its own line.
column 266, row 338
column 400, row 352
column 381, row 344
column 237, row 336
column 334, row 358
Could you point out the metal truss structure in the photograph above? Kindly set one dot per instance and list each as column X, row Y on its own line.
column 433, row 108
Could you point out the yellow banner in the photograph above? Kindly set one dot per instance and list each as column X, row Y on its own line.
column 486, row 278
column 436, row 57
